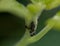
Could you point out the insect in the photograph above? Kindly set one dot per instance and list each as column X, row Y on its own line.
column 31, row 28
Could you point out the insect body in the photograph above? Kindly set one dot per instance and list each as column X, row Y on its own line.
column 31, row 28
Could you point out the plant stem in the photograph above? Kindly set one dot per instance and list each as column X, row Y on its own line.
column 24, row 41
column 27, row 39
column 41, row 33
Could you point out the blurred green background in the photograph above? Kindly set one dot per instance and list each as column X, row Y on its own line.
column 12, row 28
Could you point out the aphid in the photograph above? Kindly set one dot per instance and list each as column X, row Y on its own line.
column 31, row 28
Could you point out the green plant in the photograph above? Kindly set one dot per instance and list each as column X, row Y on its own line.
column 30, row 14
